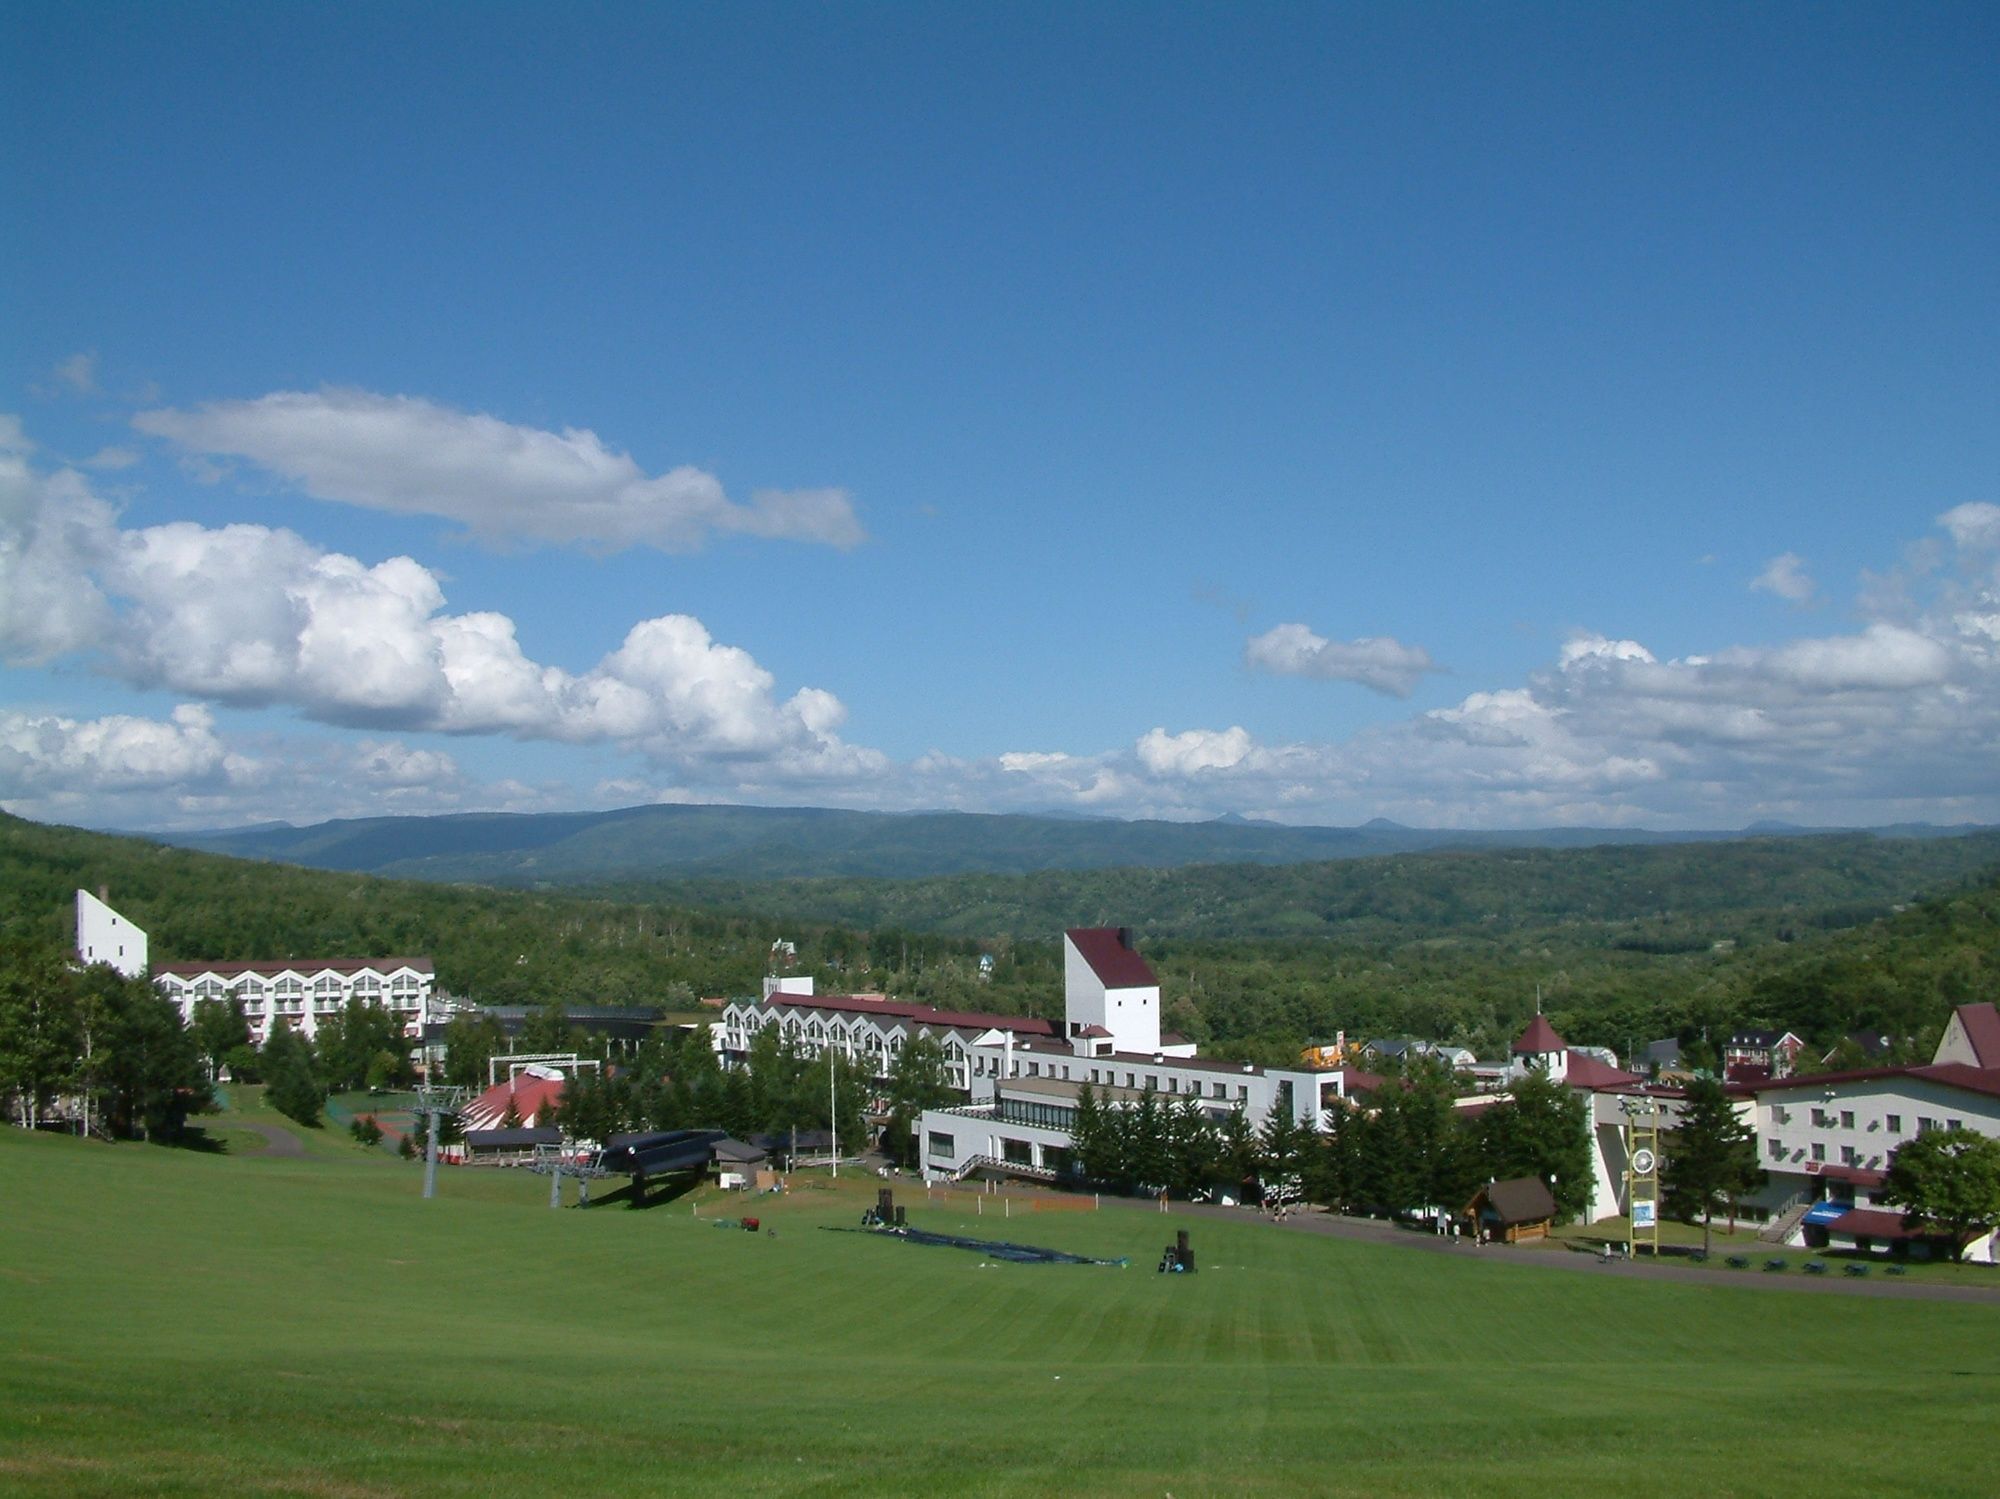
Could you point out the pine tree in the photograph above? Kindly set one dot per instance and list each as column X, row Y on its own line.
column 1711, row 1157
column 1542, row 1129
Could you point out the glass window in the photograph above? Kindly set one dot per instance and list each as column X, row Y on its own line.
column 1847, row 1119
column 1818, row 1151
column 1896, row 1124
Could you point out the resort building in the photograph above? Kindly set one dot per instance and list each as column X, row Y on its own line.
column 1021, row 1102
column 1825, row 1141
column 1020, row 1076
column 1617, row 1098
column 303, row 993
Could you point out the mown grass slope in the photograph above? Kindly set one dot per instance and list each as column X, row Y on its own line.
column 180, row 1324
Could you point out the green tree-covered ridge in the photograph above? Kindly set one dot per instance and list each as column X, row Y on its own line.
column 1624, row 944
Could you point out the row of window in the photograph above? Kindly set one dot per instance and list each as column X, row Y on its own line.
column 250, row 988
column 1844, row 1119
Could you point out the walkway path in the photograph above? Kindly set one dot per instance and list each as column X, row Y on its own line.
column 277, row 1141
column 1374, row 1230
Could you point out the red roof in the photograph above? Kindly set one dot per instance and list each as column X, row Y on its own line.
column 1982, row 1029
column 1118, row 966
column 1097, row 1030
column 1586, row 1071
column 1538, row 1037
column 871, row 1004
column 531, row 1096
column 1874, row 1223
column 1984, row 1080
column 269, row 966
column 1860, row 1176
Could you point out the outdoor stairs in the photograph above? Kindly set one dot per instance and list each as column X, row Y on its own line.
column 1781, row 1228
column 1012, row 1168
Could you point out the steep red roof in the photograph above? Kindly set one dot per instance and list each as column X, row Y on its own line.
column 1118, row 966
column 871, row 1004
column 1539, row 1036
column 1982, row 1029
column 1586, row 1071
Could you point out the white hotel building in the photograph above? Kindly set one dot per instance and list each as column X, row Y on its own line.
column 1021, row 1077
column 1825, row 1141
column 303, row 992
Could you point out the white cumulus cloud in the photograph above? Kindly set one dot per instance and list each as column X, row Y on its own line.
column 1376, row 662
column 500, row 480
column 255, row 616
column 1785, row 575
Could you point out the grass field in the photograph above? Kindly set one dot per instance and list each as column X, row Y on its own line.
column 177, row 1323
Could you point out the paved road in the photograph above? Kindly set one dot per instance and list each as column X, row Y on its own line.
column 1550, row 1257
column 277, row 1141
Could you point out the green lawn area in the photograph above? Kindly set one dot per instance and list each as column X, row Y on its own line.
column 178, row 1323
column 1676, row 1239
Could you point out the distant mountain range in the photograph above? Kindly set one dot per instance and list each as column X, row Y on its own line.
column 761, row 843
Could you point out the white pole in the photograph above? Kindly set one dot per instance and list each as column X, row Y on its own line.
column 833, row 1110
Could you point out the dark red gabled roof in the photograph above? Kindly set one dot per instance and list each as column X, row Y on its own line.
column 1540, row 1036
column 1586, row 1071
column 1982, row 1029
column 1116, row 965
column 1984, row 1080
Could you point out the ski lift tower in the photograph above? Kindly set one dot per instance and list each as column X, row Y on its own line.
column 558, row 1161
column 433, row 1103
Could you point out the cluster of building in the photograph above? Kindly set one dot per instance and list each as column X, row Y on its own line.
column 297, row 992
column 1824, row 1139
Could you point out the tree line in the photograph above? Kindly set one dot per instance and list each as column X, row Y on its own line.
column 93, row 1049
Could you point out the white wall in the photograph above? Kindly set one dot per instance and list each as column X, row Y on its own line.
column 103, row 936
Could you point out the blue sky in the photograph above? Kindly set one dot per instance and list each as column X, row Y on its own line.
column 1470, row 415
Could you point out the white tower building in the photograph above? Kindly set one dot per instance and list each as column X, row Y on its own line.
column 1111, row 996
column 103, row 936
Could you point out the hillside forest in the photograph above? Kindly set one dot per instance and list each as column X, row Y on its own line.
column 1623, row 945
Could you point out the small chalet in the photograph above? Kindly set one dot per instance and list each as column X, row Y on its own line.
column 1510, row 1212
column 1755, row 1056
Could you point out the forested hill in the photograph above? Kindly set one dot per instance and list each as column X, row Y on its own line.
column 1624, row 944
column 496, row 946
column 1671, row 898
column 761, row 843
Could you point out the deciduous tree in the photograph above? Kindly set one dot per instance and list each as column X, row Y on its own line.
column 1948, row 1181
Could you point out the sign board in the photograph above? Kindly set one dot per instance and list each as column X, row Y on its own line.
column 1643, row 1215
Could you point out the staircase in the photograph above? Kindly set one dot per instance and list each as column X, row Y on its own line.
column 1781, row 1228
column 1011, row 1168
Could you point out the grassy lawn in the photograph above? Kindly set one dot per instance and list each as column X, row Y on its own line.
column 174, row 1323
column 1677, row 1238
